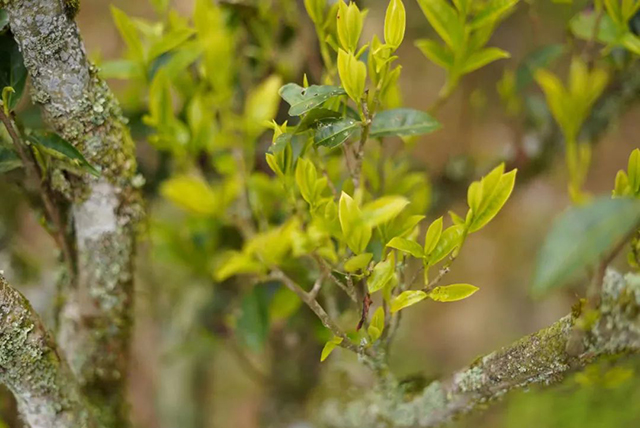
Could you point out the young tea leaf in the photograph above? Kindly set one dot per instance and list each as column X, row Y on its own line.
column 329, row 347
column 407, row 246
column 452, row 293
column 382, row 274
column 376, row 327
column 356, row 263
column 406, row 299
column 582, row 236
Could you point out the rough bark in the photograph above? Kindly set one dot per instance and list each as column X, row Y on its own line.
column 95, row 316
column 540, row 358
column 47, row 393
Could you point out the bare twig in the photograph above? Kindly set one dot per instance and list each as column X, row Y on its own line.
column 313, row 304
column 52, row 210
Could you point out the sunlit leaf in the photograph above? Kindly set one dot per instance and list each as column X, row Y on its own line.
column 329, row 347
column 376, row 326
column 192, row 194
column 451, row 239
column 407, row 246
column 382, row 274
column 406, row 299
column 452, row 293
column 356, row 263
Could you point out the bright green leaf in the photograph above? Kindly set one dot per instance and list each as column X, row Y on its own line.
column 452, row 293
column 356, row 232
column 192, row 194
column 383, row 209
column 359, row 262
column 432, row 237
column 382, row 274
column 406, row 299
column 450, row 240
column 376, row 326
column 329, row 347
column 407, row 246
column 445, row 20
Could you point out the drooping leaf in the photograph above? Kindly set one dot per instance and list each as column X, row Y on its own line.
column 56, row 146
column 402, row 122
column 13, row 73
column 302, row 99
column 406, row 299
column 582, row 236
column 329, row 347
column 452, row 293
column 407, row 246
column 9, row 160
column 333, row 134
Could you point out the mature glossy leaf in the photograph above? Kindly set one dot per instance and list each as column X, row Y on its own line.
column 582, row 236
column 253, row 322
column 406, row 299
column 452, row 293
column 9, row 160
column 12, row 70
column 333, row 134
column 356, row 263
column 376, row 326
column 407, row 246
column 329, row 347
column 402, row 122
column 302, row 99
column 316, row 117
column 56, row 146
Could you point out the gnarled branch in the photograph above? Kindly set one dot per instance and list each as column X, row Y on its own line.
column 95, row 318
column 540, row 358
column 47, row 393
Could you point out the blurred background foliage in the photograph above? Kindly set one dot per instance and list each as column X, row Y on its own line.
column 216, row 353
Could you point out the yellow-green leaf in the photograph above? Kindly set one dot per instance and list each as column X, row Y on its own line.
column 192, row 194
column 356, row 232
column 383, row 209
column 329, row 347
column 451, row 239
column 407, row 246
column 353, row 75
column 395, row 22
column 382, row 274
column 452, row 293
column 407, row 298
column 376, row 327
column 356, row 263
column 493, row 202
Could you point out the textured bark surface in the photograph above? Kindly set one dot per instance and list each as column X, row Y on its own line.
column 95, row 317
column 540, row 358
column 47, row 393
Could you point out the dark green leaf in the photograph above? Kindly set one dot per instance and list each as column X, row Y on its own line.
column 12, row 70
column 540, row 58
column 302, row 99
column 253, row 322
column 316, row 117
column 402, row 122
column 8, row 160
column 332, row 134
column 58, row 147
column 581, row 237
column 4, row 19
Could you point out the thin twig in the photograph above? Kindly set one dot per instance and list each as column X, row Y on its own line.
column 359, row 152
column 52, row 210
column 313, row 304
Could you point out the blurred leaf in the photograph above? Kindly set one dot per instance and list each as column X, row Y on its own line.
column 581, row 237
column 58, row 147
column 13, row 73
column 402, row 122
column 333, row 134
column 284, row 304
column 356, row 263
column 4, row 19
column 436, row 53
column 192, row 194
column 253, row 323
column 302, row 99
column 262, row 104
column 376, row 326
column 129, row 33
column 406, row 299
column 540, row 58
column 329, row 347
column 483, row 57
column 124, row 69
column 383, row 209
column 9, row 160
column 452, row 293
column 445, row 20
column 170, row 41
column 491, row 12
column 407, row 246
column 382, row 274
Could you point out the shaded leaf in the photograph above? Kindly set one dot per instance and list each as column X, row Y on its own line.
column 13, row 73
column 9, row 160
column 56, row 146
column 253, row 323
column 582, row 236
column 376, row 326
